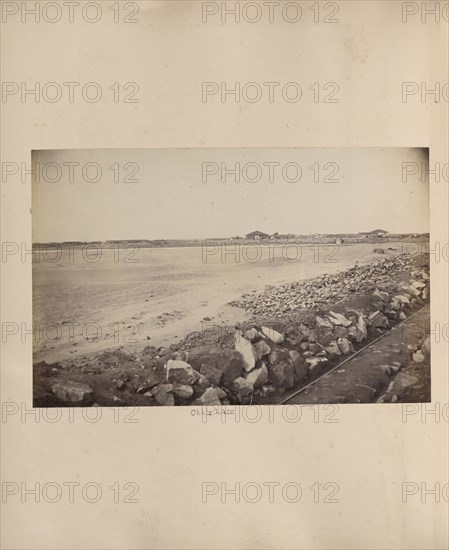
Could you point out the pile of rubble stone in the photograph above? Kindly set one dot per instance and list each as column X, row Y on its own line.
column 259, row 359
column 327, row 289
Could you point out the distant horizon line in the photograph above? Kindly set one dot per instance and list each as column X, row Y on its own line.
column 183, row 239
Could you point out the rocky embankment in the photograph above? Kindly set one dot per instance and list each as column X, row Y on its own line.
column 298, row 332
column 329, row 288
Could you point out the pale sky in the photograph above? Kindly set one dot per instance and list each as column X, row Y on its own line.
column 171, row 200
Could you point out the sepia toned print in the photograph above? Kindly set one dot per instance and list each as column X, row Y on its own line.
column 230, row 277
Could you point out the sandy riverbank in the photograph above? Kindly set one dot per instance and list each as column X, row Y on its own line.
column 82, row 307
column 264, row 357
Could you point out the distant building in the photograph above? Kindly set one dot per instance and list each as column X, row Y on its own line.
column 378, row 232
column 256, row 235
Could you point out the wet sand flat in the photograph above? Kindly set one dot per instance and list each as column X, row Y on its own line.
column 80, row 306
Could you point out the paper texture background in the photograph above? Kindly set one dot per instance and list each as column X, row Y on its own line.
column 370, row 452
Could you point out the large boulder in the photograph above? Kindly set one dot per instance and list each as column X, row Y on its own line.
column 340, row 332
column 358, row 331
column 309, row 333
column 183, row 391
column 228, row 361
column 324, row 329
column 338, row 319
column 72, row 392
column 180, row 372
column 253, row 334
column 243, row 390
column 361, row 325
column 282, row 374
column 273, row 335
column 418, row 357
column 417, row 284
column 213, row 374
column 232, row 365
column 379, row 300
column 293, row 336
column 164, row 395
column 258, row 377
column 278, row 354
column 261, row 348
column 403, row 299
column 155, row 377
column 316, row 365
column 324, row 323
column 221, row 393
column 315, row 348
column 379, row 320
column 300, row 367
column 245, row 348
column 201, row 386
column 332, row 348
column 345, row 346
column 395, row 304
column 267, row 390
column 413, row 290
